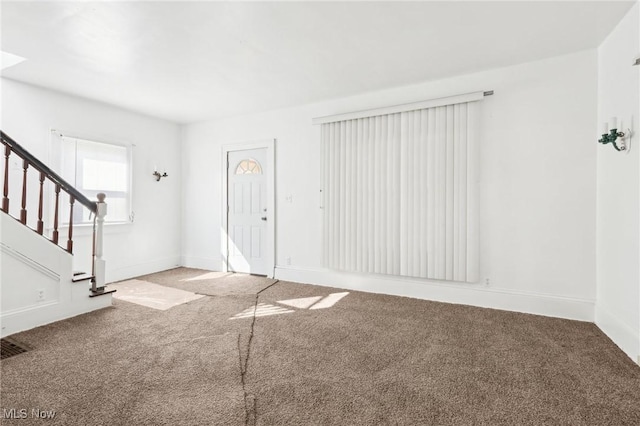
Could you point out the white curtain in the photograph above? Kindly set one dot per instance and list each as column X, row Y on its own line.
column 400, row 194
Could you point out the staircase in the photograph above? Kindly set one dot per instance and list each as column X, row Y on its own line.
column 37, row 282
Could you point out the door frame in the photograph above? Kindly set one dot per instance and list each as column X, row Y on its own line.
column 270, row 145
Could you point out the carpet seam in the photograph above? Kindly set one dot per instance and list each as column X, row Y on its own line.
column 243, row 368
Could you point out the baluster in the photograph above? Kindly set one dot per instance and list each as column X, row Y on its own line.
column 98, row 261
column 93, row 249
column 70, row 240
column 40, row 222
column 23, row 212
column 5, row 199
column 55, row 216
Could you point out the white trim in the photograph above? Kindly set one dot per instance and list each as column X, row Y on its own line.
column 30, row 308
column 623, row 335
column 270, row 145
column 88, row 138
column 30, row 262
column 460, row 293
column 450, row 100
column 143, row 268
column 86, row 229
column 206, row 263
column 54, row 164
column 37, row 316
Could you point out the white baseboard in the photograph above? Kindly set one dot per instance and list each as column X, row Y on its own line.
column 37, row 316
column 460, row 293
column 132, row 271
column 622, row 334
column 209, row 264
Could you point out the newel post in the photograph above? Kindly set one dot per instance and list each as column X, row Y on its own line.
column 98, row 261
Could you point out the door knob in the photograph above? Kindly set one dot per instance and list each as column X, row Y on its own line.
column 264, row 218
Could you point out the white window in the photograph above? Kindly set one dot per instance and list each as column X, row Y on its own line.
column 94, row 167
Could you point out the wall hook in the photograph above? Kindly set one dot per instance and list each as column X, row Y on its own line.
column 158, row 175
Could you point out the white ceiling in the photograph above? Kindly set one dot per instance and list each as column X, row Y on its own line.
column 190, row 61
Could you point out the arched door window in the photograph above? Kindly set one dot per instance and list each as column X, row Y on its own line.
column 248, row 166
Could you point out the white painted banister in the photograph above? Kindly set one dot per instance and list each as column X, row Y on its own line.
column 98, row 261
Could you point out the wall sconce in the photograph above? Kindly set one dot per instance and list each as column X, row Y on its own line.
column 610, row 136
column 157, row 174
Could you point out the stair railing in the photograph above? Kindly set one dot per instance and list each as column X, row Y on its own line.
column 97, row 208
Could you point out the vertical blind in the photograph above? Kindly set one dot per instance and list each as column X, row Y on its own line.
column 399, row 193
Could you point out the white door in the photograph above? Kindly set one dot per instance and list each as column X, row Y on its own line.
column 247, row 211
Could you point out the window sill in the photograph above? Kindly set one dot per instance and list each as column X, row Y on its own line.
column 87, row 228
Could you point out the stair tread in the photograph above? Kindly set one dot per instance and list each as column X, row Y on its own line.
column 83, row 277
column 102, row 293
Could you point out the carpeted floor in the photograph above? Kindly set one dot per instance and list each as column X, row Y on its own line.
column 210, row 283
column 331, row 360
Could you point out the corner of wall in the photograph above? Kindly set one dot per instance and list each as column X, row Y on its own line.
column 626, row 338
column 617, row 311
column 182, row 129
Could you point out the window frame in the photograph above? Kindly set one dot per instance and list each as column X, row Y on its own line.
column 56, row 158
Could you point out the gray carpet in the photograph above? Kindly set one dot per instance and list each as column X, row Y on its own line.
column 369, row 359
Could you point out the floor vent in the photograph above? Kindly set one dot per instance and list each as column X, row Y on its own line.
column 11, row 348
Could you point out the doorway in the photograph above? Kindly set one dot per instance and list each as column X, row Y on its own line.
column 248, row 208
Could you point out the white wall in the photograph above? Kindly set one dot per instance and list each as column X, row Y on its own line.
column 618, row 189
column 152, row 242
column 36, row 285
column 538, row 163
